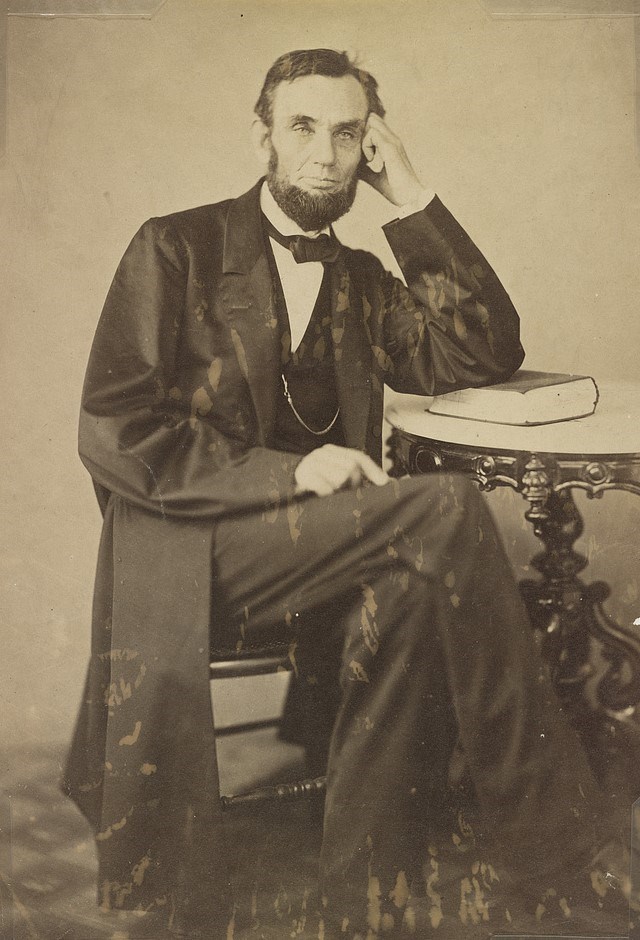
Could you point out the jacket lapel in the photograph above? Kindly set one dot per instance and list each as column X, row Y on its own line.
column 352, row 355
column 247, row 296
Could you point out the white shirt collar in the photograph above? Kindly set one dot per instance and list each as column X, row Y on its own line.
column 279, row 219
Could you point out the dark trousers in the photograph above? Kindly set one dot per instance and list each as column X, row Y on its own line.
column 414, row 585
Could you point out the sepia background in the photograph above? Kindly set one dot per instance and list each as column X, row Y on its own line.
column 525, row 128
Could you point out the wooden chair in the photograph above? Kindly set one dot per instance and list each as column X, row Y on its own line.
column 260, row 663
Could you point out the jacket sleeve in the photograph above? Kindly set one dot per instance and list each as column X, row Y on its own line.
column 455, row 326
column 138, row 441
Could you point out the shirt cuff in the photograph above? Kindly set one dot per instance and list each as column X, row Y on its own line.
column 417, row 205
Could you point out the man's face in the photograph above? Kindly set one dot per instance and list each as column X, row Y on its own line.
column 316, row 147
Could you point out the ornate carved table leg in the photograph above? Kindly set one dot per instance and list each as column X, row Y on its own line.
column 556, row 603
column 595, row 664
column 570, row 617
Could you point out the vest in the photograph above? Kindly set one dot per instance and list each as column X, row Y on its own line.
column 310, row 375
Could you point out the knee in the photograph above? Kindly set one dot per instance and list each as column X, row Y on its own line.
column 455, row 494
column 462, row 490
column 470, row 525
column 444, row 508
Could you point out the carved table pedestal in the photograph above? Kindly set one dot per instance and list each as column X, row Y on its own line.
column 594, row 662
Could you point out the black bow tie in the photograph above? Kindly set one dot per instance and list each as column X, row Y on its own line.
column 324, row 247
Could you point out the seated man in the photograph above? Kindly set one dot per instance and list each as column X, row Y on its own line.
column 231, row 422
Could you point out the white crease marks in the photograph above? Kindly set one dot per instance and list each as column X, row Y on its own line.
column 114, row 894
column 358, row 672
column 379, row 921
column 294, row 513
column 201, row 401
column 449, row 583
column 431, row 874
column 475, row 893
column 368, row 625
column 130, row 739
column 121, row 691
column 114, row 827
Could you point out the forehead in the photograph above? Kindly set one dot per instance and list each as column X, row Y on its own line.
column 326, row 99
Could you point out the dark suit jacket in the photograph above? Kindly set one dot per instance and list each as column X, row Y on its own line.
column 176, row 431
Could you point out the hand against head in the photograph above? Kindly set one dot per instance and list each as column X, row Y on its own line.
column 331, row 468
column 388, row 168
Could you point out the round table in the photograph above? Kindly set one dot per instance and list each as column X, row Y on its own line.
column 545, row 463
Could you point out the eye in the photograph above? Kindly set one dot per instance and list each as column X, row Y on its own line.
column 302, row 129
column 346, row 135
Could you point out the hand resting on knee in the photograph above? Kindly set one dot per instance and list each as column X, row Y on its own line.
column 331, row 468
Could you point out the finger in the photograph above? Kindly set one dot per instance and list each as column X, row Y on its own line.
column 372, row 471
column 368, row 146
column 334, row 476
column 376, row 163
column 351, row 457
column 372, row 179
column 381, row 129
column 324, row 489
column 345, row 467
column 311, row 478
column 375, row 121
column 331, row 468
column 355, row 477
column 320, row 486
column 371, row 147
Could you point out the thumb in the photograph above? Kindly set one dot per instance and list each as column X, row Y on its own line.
column 375, row 163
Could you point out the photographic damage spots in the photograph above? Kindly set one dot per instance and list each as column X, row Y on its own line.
column 214, row 373
column 431, row 874
column 114, row 827
column 118, row 692
column 368, row 623
column 113, row 894
column 358, row 672
column 130, row 739
column 294, row 512
column 200, row 310
column 475, row 893
column 201, row 405
column 240, row 353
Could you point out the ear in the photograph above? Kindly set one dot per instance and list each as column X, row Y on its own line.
column 261, row 138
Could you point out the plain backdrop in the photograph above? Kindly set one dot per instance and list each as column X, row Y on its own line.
column 524, row 127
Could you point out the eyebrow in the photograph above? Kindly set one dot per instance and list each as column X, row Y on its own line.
column 301, row 119
column 357, row 124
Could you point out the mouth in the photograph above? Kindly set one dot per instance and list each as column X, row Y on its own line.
column 320, row 182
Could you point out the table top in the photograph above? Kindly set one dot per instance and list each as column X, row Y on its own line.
column 614, row 428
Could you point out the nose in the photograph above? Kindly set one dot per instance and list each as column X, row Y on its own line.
column 324, row 151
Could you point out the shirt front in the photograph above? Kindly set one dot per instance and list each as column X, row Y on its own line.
column 300, row 282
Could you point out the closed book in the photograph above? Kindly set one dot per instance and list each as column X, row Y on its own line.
column 526, row 398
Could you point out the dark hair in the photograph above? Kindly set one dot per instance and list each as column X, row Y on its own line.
column 303, row 62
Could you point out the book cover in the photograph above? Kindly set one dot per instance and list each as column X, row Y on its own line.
column 528, row 397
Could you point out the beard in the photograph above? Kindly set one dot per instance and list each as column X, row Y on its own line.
column 311, row 211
